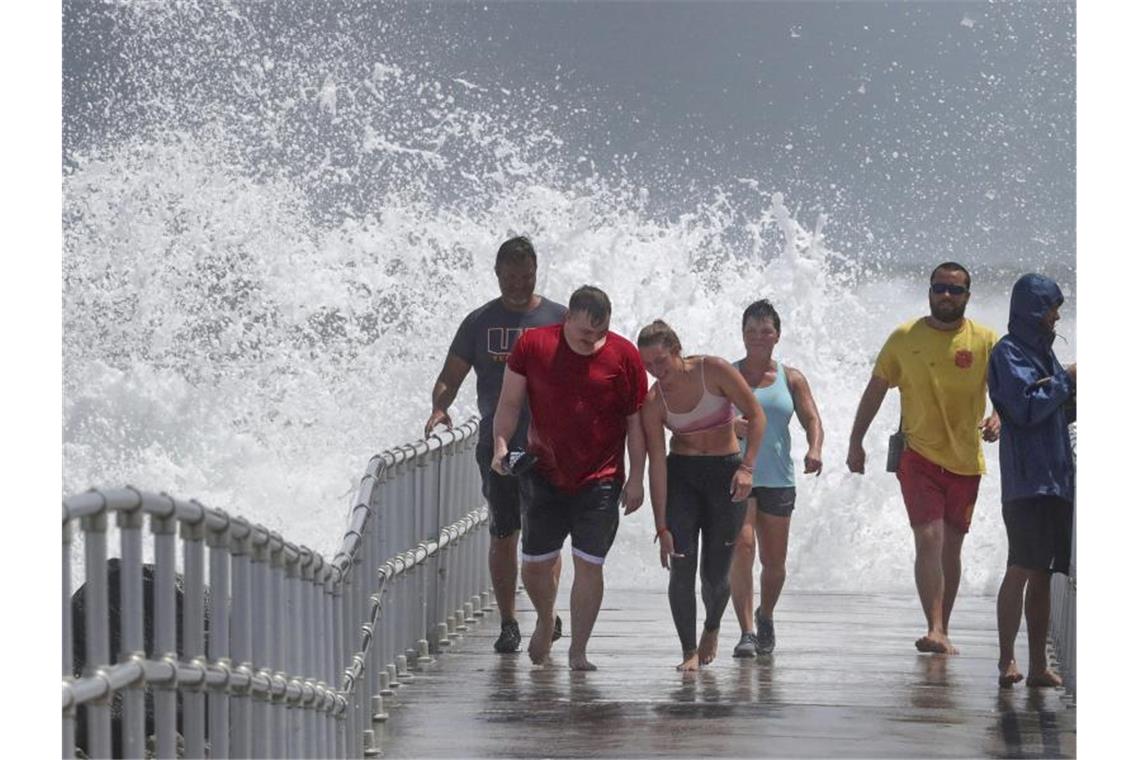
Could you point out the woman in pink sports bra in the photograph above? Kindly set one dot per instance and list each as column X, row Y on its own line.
column 698, row 491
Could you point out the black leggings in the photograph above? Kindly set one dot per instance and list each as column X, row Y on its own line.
column 699, row 502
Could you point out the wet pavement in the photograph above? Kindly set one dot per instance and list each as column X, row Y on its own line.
column 844, row 681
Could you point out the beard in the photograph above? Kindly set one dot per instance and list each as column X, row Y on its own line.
column 947, row 312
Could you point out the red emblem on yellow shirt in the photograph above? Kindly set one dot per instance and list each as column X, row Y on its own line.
column 964, row 359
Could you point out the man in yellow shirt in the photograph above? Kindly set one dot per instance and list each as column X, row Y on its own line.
column 938, row 363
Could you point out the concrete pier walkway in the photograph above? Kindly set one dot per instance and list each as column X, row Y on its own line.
column 844, row 681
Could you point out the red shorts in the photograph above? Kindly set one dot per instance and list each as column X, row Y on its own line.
column 932, row 492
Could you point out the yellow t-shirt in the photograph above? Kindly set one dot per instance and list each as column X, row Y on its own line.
column 941, row 376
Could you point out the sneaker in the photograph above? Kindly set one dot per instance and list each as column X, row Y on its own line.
column 747, row 646
column 509, row 637
column 557, row 629
column 765, row 635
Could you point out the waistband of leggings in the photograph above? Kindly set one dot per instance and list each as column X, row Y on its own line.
column 704, row 458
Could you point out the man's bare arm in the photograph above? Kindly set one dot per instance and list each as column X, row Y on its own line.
column 447, row 385
column 633, row 493
column 869, row 404
column 511, row 399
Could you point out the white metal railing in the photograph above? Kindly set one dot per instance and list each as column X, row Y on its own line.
column 279, row 652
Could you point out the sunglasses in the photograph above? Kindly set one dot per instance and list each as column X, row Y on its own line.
column 954, row 290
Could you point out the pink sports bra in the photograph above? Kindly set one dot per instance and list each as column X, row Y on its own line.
column 711, row 411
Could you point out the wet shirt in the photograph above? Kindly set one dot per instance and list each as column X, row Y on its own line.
column 941, row 376
column 1030, row 390
column 578, row 405
column 484, row 340
column 773, row 467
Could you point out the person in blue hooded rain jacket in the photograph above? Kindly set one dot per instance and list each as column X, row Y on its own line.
column 1032, row 393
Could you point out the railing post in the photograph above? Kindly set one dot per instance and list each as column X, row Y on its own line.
column 330, row 669
column 434, row 581
column 132, row 644
column 193, row 633
column 345, row 651
column 219, row 641
column 96, row 624
column 307, row 672
column 260, row 621
column 241, row 649
column 165, row 634
column 340, row 654
column 277, row 640
column 68, row 657
column 292, row 630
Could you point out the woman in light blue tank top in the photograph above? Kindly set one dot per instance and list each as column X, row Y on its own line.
column 782, row 391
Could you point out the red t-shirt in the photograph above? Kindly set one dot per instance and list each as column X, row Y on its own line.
column 578, row 404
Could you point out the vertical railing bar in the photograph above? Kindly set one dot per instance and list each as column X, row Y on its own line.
column 298, row 667
column 276, row 614
column 428, row 578
column 328, row 670
column 68, row 644
column 360, row 694
column 339, row 655
column 131, row 627
column 193, row 633
column 240, row 716
column 261, row 655
column 219, row 641
column 316, row 659
column 348, row 647
column 309, row 613
column 165, row 634
column 288, row 653
column 361, row 582
column 96, row 624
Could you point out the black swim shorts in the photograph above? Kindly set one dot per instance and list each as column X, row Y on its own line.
column 501, row 493
column 1040, row 532
column 589, row 516
column 778, row 502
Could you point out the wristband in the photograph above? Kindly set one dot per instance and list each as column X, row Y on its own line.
column 746, row 467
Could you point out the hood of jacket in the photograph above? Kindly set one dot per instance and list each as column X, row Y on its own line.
column 1032, row 298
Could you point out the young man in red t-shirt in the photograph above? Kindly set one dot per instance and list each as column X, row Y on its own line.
column 584, row 385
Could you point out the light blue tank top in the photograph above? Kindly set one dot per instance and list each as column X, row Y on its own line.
column 773, row 466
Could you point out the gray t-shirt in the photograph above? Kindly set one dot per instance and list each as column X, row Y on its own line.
column 484, row 340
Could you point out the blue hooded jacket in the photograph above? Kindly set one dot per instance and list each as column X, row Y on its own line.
column 1029, row 388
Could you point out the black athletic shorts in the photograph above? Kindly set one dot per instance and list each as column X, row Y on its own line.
column 1040, row 532
column 501, row 493
column 778, row 502
column 589, row 516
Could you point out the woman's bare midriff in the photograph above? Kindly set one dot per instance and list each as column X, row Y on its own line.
column 717, row 441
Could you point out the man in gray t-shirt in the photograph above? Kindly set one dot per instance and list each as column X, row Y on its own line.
column 484, row 341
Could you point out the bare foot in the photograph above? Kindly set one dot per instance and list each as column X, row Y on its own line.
column 1008, row 674
column 579, row 662
column 690, row 663
column 1046, row 678
column 706, row 650
column 938, row 643
column 540, row 641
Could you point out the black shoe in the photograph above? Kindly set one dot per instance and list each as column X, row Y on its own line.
column 747, row 646
column 557, row 629
column 509, row 638
column 765, row 635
